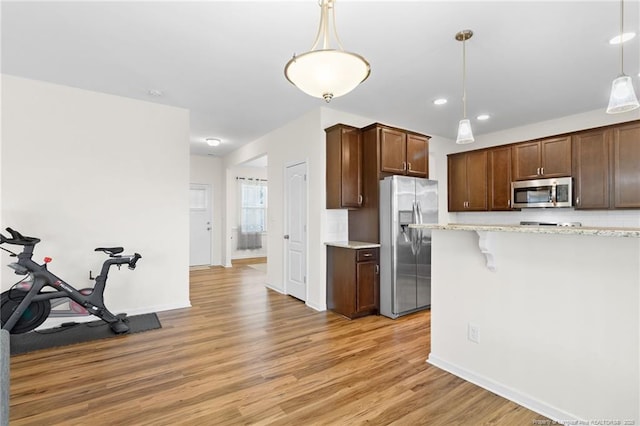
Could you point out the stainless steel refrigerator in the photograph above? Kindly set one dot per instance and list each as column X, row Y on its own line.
column 405, row 253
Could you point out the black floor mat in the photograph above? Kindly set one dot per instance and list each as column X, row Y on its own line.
column 77, row 333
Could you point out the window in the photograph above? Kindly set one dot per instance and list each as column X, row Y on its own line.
column 253, row 205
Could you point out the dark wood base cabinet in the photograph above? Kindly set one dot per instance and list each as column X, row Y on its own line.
column 352, row 281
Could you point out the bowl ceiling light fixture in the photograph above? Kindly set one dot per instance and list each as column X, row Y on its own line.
column 465, row 135
column 325, row 72
column 213, row 141
column 623, row 96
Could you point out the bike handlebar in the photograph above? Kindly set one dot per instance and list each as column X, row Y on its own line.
column 134, row 259
column 18, row 239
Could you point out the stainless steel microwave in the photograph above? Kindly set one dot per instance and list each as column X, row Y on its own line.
column 556, row 192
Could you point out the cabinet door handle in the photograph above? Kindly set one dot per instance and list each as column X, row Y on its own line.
column 368, row 254
column 578, row 200
column 541, row 170
column 538, row 171
column 508, row 203
column 360, row 199
column 377, row 269
column 404, row 165
column 409, row 166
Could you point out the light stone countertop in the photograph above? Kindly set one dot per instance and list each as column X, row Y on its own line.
column 567, row 230
column 352, row 244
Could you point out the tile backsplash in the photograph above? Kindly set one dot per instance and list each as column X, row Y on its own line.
column 337, row 225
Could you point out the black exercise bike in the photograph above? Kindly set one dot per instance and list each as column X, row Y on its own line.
column 27, row 304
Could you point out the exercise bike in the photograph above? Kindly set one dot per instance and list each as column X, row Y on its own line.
column 27, row 304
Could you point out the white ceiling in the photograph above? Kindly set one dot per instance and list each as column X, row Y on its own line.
column 528, row 60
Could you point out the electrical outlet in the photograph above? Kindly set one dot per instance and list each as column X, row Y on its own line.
column 473, row 333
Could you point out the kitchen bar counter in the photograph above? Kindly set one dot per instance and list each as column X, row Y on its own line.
column 568, row 230
column 548, row 303
column 355, row 245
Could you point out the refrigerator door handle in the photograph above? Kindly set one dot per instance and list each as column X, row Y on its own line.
column 412, row 231
column 418, row 232
column 419, row 211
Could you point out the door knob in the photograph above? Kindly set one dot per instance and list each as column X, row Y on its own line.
column 286, row 237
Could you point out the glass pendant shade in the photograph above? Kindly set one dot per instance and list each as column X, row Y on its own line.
column 465, row 135
column 324, row 72
column 623, row 97
column 327, row 74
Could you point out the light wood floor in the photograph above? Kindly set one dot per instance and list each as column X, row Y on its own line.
column 244, row 354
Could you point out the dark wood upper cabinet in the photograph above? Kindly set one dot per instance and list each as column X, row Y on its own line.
column 457, row 182
column 499, row 178
column 477, row 180
column 542, row 159
column 603, row 162
column 626, row 166
column 393, row 151
column 344, row 167
column 402, row 152
column 417, row 155
column 526, row 161
column 591, row 175
column 606, row 167
column 384, row 149
column 467, row 181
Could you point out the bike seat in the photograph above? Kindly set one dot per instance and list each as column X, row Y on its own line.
column 111, row 251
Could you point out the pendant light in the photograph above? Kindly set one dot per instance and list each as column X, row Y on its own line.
column 465, row 135
column 324, row 72
column 623, row 97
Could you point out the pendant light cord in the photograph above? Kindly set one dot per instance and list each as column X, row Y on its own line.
column 464, row 78
column 621, row 40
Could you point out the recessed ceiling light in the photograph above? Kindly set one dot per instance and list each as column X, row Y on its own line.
column 483, row 117
column 624, row 37
column 440, row 101
column 213, row 141
column 155, row 92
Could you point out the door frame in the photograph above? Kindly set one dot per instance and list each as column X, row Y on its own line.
column 285, row 223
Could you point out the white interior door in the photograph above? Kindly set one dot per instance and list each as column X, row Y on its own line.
column 296, row 231
column 199, row 224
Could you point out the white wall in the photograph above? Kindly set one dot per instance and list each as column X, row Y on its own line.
column 210, row 171
column 302, row 140
column 559, row 318
column 233, row 204
column 82, row 169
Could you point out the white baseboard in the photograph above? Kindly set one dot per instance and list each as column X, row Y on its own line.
column 319, row 308
column 313, row 306
column 56, row 321
column 276, row 289
column 533, row 404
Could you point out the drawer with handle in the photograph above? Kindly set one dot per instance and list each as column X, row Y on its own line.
column 366, row 254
